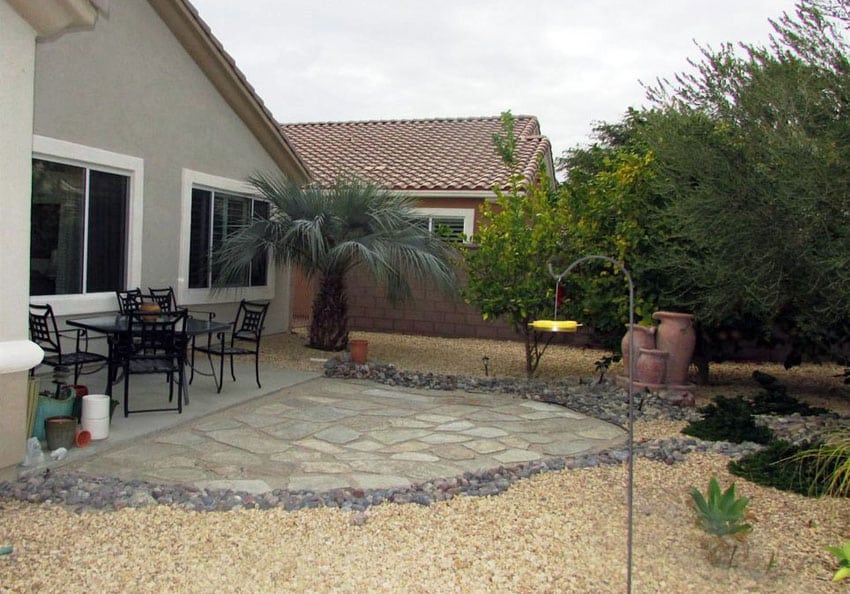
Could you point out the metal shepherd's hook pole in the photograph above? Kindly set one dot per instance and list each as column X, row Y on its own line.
column 631, row 468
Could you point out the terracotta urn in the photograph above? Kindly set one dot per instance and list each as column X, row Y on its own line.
column 644, row 338
column 651, row 366
column 676, row 335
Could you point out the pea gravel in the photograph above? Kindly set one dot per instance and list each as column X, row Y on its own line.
column 562, row 529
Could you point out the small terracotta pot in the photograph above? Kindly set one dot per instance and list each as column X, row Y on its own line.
column 359, row 350
column 644, row 338
column 651, row 366
column 82, row 438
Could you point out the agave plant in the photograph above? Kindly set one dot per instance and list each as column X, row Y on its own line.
column 843, row 555
column 722, row 515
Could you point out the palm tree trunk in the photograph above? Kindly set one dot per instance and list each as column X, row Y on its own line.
column 329, row 324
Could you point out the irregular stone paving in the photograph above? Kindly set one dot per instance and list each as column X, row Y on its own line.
column 328, row 434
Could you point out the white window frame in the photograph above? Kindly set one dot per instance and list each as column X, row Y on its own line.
column 71, row 153
column 196, row 179
column 468, row 215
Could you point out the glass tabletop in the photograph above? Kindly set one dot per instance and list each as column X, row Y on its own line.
column 117, row 323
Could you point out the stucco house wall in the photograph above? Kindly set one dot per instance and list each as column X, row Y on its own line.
column 16, row 71
column 129, row 88
column 137, row 87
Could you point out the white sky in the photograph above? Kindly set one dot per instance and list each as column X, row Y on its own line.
column 569, row 62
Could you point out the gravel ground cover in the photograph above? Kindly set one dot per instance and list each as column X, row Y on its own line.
column 556, row 531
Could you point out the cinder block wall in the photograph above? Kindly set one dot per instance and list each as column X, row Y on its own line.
column 431, row 313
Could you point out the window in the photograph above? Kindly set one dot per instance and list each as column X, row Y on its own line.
column 455, row 224
column 86, row 234
column 79, row 229
column 210, row 207
column 215, row 215
column 449, row 227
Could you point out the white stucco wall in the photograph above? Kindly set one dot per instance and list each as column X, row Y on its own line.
column 131, row 88
column 17, row 54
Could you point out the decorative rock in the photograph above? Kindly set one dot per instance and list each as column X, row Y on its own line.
column 140, row 498
column 359, row 518
column 683, row 399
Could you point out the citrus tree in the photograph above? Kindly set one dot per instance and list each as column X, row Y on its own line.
column 610, row 205
column 507, row 264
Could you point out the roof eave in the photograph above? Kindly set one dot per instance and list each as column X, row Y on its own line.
column 50, row 18
column 448, row 193
column 197, row 39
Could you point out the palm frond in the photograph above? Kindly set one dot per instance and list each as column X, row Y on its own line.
column 328, row 231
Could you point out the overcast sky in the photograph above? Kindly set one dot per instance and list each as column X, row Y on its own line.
column 569, row 62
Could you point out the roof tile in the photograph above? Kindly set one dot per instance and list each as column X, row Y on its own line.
column 427, row 154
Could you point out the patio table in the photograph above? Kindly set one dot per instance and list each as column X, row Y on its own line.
column 116, row 329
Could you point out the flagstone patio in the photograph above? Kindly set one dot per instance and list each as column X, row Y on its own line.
column 307, row 432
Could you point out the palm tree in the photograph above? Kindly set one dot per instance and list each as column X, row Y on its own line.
column 329, row 231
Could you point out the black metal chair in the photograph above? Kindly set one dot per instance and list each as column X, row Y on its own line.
column 158, row 347
column 129, row 300
column 45, row 333
column 245, row 335
column 167, row 301
column 164, row 298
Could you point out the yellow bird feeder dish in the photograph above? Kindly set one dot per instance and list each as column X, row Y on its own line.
column 555, row 325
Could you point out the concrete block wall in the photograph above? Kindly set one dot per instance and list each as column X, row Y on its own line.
column 431, row 313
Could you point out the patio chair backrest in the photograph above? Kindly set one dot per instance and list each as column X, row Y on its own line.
column 43, row 330
column 129, row 300
column 158, row 335
column 164, row 298
column 250, row 317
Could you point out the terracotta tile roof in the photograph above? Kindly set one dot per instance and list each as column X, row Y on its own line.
column 434, row 154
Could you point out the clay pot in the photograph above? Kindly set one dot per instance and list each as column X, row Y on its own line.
column 676, row 335
column 359, row 349
column 82, row 438
column 651, row 366
column 60, row 431
column 644, row 338
column 151, row 311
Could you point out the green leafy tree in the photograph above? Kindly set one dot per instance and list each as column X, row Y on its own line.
column 611, row 200
column 755, row 149
column 730, row 197
column 329, row 231
column 507, row 267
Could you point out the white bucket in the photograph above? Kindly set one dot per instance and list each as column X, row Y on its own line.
column 95, row 406
column 99, row 428
column 95, row 417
